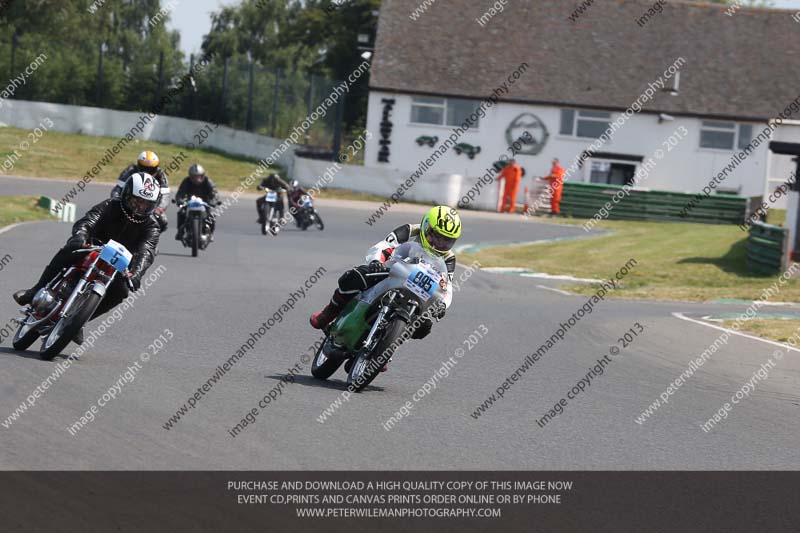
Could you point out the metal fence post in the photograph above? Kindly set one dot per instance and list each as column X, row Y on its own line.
column 275, row 101
column 337, row 127
column 160, row 83
column 98, row 98
column 249, row 120
column 14, row 41
column 224, row 95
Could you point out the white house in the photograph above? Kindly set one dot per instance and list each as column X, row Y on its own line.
column 699, row 88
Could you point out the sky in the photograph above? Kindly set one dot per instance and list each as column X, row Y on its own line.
column 192, row 18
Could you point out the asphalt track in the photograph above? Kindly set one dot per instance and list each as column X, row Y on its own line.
column 212, row 303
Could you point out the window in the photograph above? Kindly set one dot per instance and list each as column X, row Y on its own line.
column 725, row 135
column 442, row 111
column 589, row 124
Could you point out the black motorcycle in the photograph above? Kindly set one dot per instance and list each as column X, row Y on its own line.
column 307, row 214
column 196, row 230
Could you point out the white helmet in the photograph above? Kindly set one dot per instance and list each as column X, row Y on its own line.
column 140, row 196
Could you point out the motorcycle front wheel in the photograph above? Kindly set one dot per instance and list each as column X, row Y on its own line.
column 323, row 366
column 25, row 335
column 368, row 365
column 195, row 235
column 68, row 326
column 318, row 221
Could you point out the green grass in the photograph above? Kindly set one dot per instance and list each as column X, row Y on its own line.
column 775, row 329
column 15, row 209
column 67, row 155
column 676, row 261
column 71, row 156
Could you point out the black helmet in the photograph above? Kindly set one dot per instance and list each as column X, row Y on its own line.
column 139, row 197
column 197, row 170
column 295, row 185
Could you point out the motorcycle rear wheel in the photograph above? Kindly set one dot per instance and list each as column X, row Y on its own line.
column 66, row 328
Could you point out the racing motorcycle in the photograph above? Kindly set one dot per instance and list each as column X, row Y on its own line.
column 196, row 229
column 61, row 308
column 270, row 212
column 306, row 214
column 372, row 326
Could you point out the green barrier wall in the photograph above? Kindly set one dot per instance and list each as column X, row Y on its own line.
column 584, row 200
column 765, row 248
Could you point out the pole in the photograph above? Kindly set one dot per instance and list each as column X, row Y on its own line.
column 156, row 106
column 98, row 98
column 249, row 120
column 309, row 96
column 224, row 95
column 191, row 91
column 275, row 100
column 337, row 127
column 14, row 40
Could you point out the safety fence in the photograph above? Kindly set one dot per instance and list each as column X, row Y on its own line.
column 585, row 200
column 766, row 248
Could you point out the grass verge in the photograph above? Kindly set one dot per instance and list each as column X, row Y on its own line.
column 676, row 261
column 15, row 209
column 71, row 156
column 770, row 328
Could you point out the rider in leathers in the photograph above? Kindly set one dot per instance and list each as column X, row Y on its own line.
column 273, row 182
column 147, row 162
column 437, row 233
column 128, row 221
column 200, row 185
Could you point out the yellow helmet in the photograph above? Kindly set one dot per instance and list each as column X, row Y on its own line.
column 147, row 160
column 439, row 230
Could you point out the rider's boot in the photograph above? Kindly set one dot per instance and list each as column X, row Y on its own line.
column 24, row 297
column 321, row 319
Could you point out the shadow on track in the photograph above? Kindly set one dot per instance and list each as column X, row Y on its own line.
column 26, row 354
column 333, row 384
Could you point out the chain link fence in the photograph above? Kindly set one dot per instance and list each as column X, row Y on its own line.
column 246, row 96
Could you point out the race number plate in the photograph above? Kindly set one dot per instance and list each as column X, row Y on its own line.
column 423, row 283
column 116, row 255
column 272, row 196
column 195, row 205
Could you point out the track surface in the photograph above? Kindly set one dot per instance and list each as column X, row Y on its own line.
column 212, row 303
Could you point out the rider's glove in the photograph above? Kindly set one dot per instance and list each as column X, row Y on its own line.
column 439, row 311
column 376, row 267
column 422, row 330
column 76, row 242
column 136, row 281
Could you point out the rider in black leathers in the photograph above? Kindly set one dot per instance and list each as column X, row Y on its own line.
column 200, row 185
column 119, row 219
column 274, row 182
column 147, row 162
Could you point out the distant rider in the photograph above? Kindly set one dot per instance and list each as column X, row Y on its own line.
column 127, row 220
column 438, row 232
column 147, row 162
column 200, row 185
column 273, row 182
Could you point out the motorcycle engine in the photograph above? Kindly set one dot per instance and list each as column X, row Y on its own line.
column 43, row 302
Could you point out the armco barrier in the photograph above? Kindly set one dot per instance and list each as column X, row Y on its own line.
column 584, row 200
column 766, row 248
